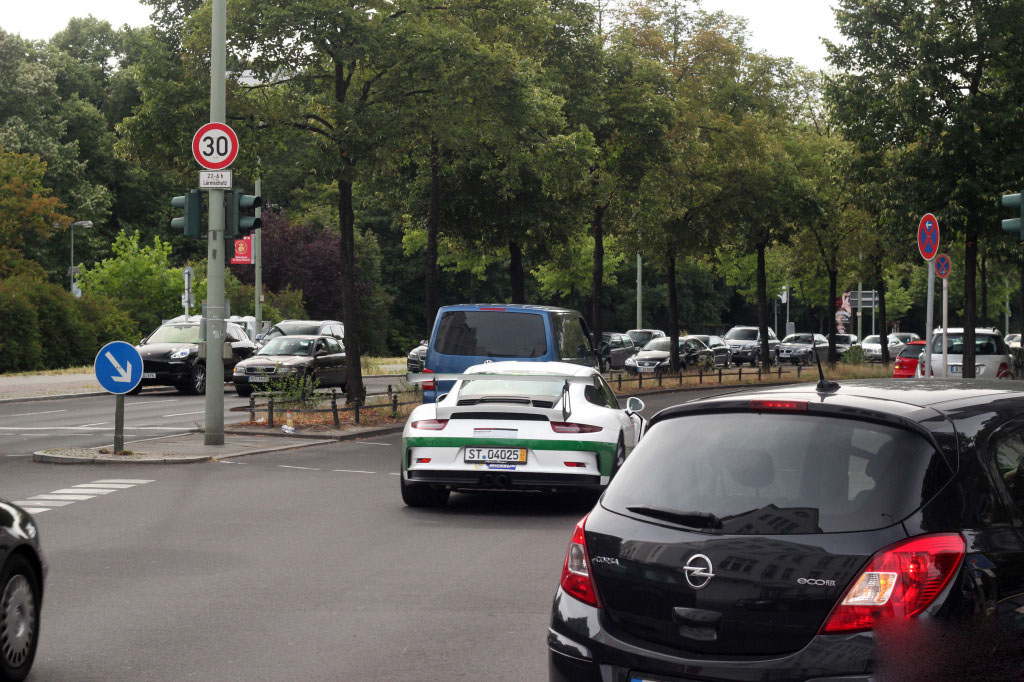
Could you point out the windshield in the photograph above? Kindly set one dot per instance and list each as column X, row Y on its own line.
column 175, row 333
column 287, row 345
column 904, row 337
column 662, row 343
column 874, row 338
column 741, row 335
column 846, row 338
column 984, row 344
column 497, row 334
column 798, row 338
column 778, row 473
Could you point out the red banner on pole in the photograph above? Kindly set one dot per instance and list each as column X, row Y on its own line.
column 243, row 251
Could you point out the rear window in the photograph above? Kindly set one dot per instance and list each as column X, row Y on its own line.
column 912, row 351
column 495, row 334
column 779, row 474
column 741, row 335
column 984, row 344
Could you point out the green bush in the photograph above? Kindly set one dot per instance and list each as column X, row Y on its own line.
column 854, row 356
column 109, row 323
column 20, row 346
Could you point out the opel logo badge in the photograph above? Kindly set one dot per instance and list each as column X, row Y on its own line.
column 698, row 571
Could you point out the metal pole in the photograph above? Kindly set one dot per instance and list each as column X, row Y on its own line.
column 119, row 423
column 639, row 291
column 860, row 309
column 71, row 272
column 929, row 321
column 945, row 328
column 872, row 317
column 214, row 431
column 789, row 297
column 257, row 254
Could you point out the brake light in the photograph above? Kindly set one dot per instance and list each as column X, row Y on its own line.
column 423, row 460
column 576, row 580
column 498, row 309
column 900, row 581
column 1003, row 369
column 570, row 427
column 430, row 424
column 778, row 405
column 428, row 385
column 575, row 464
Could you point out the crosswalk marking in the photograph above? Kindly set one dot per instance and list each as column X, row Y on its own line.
column 37, row 504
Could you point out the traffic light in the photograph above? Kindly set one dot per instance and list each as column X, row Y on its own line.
column 1014, row 224
column 190, row 222
column 240, row 213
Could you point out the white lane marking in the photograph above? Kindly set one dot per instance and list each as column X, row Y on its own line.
column 394, row 473
column 25, row 455
column 49, row 503
column 72, row 498
column 36, row 510
column 143, row 401
column 183, row 414
column 96, row 424
column 285, row 466
column 370, row 442
column 31, row 414
column 112, row 486
column 90, row 491
column 35, row 435
column 353, row 471
column 137, row 481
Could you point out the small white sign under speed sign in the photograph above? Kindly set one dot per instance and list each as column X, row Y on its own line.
column 215, row 146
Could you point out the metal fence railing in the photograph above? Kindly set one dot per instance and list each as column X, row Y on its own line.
column 700, row 377
column 274, row 405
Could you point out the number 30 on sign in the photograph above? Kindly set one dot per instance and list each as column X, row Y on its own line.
column 215, row 146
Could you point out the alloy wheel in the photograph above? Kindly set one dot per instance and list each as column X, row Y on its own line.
column 17, row 621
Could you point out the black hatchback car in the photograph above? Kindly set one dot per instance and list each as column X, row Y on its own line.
column 22, row 572
column 875, row 531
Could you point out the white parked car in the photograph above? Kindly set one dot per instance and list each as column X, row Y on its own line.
column 991, row 357
column 517, row 426
column 1012, row 340
column 872, row 347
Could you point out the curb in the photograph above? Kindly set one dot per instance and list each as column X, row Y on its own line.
column 43, row 458
column 65, row 396
column 375, row 431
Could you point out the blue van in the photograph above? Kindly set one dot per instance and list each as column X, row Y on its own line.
column 469, row 334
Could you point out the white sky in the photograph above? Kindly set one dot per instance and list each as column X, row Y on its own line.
column 786, row 28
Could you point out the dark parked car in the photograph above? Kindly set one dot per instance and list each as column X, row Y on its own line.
column 170, row 355
column 642, row 336
column 723, row 355
column 745, row 344
column 22, row 572
column 803, row 349
column 305, row 327
column 870, row 531
column 317, row 361
column 654, row 357
column 414, row 363
column 615, row 349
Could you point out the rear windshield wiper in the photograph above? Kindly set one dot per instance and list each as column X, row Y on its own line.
column 692, row 519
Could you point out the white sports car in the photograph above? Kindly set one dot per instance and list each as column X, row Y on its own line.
column 516, row 425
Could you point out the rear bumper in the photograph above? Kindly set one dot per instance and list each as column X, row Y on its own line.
column 500, row 479
column 581, row 648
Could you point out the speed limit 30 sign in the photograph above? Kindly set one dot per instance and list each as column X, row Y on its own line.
column 215, row 146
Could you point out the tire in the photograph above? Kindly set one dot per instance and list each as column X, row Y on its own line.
column 421, row 495
column 606, row 366
column 620, row 458
column 243, row 391
column 197, row 379
column 20, row 599
column 137, row 390
column 753, row 361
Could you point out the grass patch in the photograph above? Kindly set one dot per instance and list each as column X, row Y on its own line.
column 51, row 372
column 378, row 366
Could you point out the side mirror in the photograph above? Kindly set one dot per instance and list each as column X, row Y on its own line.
column 143, row 341
column 320, row 353
column 423, row 342
column 634, row 404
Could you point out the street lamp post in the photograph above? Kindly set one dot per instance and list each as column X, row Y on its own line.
column 71, row 270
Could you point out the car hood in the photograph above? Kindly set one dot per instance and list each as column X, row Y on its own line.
column 737, row 342
column 795, row 346
column 162, row 350
column 276, row 361
column 653, row 355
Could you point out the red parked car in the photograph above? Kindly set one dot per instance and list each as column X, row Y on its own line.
column 906, row 362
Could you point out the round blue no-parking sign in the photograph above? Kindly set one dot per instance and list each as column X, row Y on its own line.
column 118, row 367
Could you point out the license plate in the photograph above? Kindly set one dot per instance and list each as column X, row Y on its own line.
column 510, row 455
column 954, row 369
column 645, row 369
column 149, row 375
column 256, row 379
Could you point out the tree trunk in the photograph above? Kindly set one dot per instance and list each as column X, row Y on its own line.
column 673, row 313
column 883, row 320
column 349, row 303
column 1020, row 300
column 762, row 305
column 833, row 283
column 970, row 313
column 433, row 221
column 983, row 311
column 515, row 272
column 597, row 228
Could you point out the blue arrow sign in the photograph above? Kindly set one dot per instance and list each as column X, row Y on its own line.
column 118, row 367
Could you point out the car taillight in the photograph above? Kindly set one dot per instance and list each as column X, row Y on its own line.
column 899, row 363
column 428, row 385
column 900, row 581
column 778, row 405
column 1003, row 370
column 430, row 424
column 570, row 427
column 576, row 580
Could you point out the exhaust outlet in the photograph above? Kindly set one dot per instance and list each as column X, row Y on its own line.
column 487, row 480
column 502, row 481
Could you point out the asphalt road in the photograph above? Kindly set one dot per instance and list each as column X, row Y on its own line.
column 88, row 421
column 299, row 565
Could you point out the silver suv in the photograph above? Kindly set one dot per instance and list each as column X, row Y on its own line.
column 991, row 357
column 745, row 344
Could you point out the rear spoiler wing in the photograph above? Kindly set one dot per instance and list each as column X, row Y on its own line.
column 565, row 379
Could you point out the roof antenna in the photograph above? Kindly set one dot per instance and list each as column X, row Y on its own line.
column 824, row 385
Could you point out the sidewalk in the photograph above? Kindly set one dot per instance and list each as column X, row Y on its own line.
column 48, row 385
